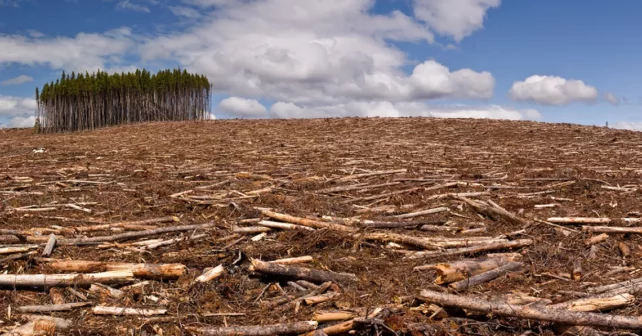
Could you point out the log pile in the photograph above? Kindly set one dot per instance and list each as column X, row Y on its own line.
column 321, row 227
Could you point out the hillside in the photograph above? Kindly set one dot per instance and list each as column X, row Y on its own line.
column 355, row 172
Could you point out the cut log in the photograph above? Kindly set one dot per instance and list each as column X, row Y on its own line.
column 460, row 270
column 494, row 211
column 211, row 274
column 596, row 239
column 393, row 225
column 300, row 272
column 52, row 308
column 485, row 277
column 532, row 312
column 262, row 330
column 51, row 243
column 295, row 260
column 106, row 310
column 156, row 244
column 473, row 249
column 133, row 235
column 423, row 212
column 283, row 226
column 58, row 280
column 106, row 291
column 306, row 222
column 606, row 288
column 330, row 316
column 17, row 249
column 596, row 304
column 578, row 220
column 611, row 229
column 344, row 327
column 133, row 225
column 16, row 257
column 251, row 229
column 310, row 300
column 149, row 271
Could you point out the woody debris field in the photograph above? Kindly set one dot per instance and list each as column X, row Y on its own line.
column 381, row 226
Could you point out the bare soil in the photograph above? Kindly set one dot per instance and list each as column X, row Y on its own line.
column 140, row 166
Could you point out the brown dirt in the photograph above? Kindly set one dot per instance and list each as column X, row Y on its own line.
column 145, row 164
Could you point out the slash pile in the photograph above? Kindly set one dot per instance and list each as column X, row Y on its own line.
column 321, row 227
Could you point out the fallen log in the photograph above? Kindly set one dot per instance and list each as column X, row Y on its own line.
column 473, row 249
column 106, row 310
column 300, row 273
column 532, row 312
column 595, row 304
column 17, row 249
column 148, row 271
column 133, row 235
column 393, row 225
column 283, row 226
column 211, row 274
column 305, row 222
column 52, row 308
column 596, row 239
column 485, row 277
column 106, row 291
column 295, row 260
column 310, row 300
column 262, row 330
column 51, row 243
column 606, row 288
column 611, row 229
column 578, row 220
column 57, row 280
column 460, row 270
column 422, row 213
column 494, row 211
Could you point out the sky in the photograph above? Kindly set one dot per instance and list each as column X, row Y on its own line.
column 573, row 61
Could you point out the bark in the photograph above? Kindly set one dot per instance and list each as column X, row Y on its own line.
column 58, row 280
column 52, row 308
column 148, row 271
column 301, row 273
column 263, row 330
column 106, row 310
column 474, row 249
column 56, row 295
column 306, row 222
column 532, row 312
column 485, row 277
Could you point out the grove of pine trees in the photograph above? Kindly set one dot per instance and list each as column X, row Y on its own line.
column 89, row 101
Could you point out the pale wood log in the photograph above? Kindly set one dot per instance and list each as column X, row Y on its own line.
column 307, row 284
column 344, row 327
column 606, row 288
column 296, row 286
column 578, row 220
column 259, row 330
column 149, row 271
column 133, row 235
column 494, row 211
column 58, row 280
column 355, row 187
column 611, row 229
column 156, row 244
column 596, row 304
column 251, row 229
column 423, row 212
column 376, row 173
column 596, row 239
column 330, row 316
column 393, row 225
column 107, row 310
column 131, row 225
column 473, row 249
column 532, row 312
column 485, row 277
column 51, row 243
column 404, row 191
column 283, row 226
column 210, row 274
column 16, row 257
column 310, row 300
column 52, row 307
column 460, row 270
column 300, row 272
column 305, row 222
column 17, row 249
column 295, row 260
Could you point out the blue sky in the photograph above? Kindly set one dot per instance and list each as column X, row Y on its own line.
column 546, row 60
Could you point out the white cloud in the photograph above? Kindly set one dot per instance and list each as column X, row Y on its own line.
column 628, row 125
column 17, row 106
column 183, row 11
column 401, row 109
column 552, row 90
column 17, row 80
column 126, row 4
column 241, row 107
column 313, row 52
column 22, row 122
column 612, row 98
column 82, row 52
column 455, row 18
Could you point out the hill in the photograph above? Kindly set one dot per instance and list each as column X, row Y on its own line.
column 498, row 191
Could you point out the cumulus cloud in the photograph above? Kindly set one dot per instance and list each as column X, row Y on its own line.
column 21, row 122
column 455, row 18
column 552, row 90
column 629, row 125
column 127, row 4
column 241, row 107
column 612, row 98
column 183, row 11
column 17, row 80
column 17, row 106
column 79, row 53
column 401, row 109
